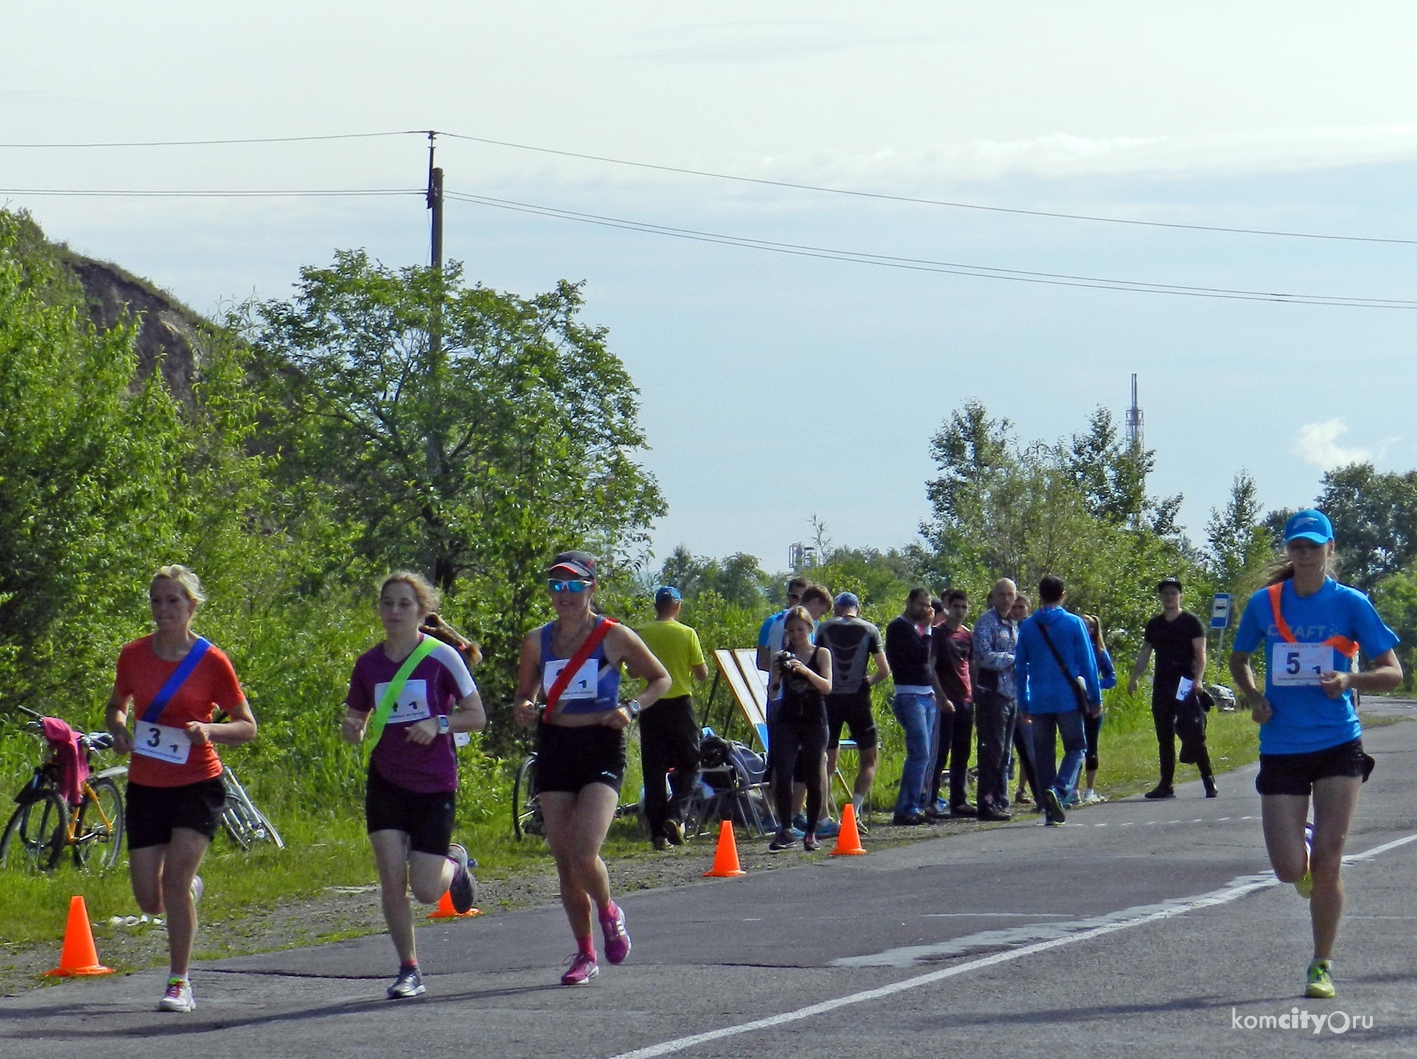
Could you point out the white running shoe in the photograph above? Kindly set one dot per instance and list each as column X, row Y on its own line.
column 178, row 996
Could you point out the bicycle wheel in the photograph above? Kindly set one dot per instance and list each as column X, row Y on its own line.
column 98, row 834
column 36, row 834
column 242, row 820
column 526, row 804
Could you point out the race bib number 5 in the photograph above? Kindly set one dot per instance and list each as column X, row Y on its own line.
column 162, row 743
column 1299, row 664
column 582, row 686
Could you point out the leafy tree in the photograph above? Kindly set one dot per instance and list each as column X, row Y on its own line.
column 473, row 456
column 736, row 579
column 1395, row 596
column 1240, row 542
column 89, row 459
column 1374, row 517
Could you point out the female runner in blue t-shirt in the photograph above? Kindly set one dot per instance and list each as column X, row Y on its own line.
column 581, row 747
column 1310, row 739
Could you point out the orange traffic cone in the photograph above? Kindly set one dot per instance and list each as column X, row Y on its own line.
column 445, row 910
column 848, row 842
column 79, row 957
column 725, row 860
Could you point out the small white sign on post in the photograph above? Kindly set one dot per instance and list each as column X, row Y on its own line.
column 1220, row 610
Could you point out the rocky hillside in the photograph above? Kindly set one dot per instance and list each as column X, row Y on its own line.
column 170, row 333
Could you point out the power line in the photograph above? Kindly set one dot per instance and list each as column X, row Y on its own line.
column 929, row 265
column 260, row 194
column 734, row 177
column 210, row 143
column 794, row 185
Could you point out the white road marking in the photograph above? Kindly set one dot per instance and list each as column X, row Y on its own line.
column 1135, row 917
column 996, row 915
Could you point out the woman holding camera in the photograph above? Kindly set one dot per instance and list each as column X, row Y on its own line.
column 801, row 678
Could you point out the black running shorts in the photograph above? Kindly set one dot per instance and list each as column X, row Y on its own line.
column 854, row 711
column 151, row 813
column 427, row 819
column 571, row 758
column 1296, row 773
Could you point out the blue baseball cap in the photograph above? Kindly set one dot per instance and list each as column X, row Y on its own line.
column 666, row 593
column 1308, row 525
column 847, row 599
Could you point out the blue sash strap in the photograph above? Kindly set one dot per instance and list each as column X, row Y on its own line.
column 178, row 678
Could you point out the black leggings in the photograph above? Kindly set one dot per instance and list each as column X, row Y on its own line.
column 785, row 743
column 1092, row 728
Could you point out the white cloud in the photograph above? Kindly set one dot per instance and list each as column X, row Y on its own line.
column 1317, row 443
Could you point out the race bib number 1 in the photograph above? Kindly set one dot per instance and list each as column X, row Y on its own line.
column 412, row 704
column 1299, row 664
column 583, row 685
column 162, row 743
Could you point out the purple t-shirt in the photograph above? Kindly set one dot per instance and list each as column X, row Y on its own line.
column 435, row 684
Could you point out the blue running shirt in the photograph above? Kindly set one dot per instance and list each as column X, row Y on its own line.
column 1304, row 718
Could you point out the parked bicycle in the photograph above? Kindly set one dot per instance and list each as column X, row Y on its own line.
column 245, row 823
column 526, row 802
column 45, row 824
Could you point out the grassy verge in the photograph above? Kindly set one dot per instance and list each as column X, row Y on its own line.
column 320, row 887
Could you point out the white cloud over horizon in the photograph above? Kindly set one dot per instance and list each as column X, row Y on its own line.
column 1317, row 443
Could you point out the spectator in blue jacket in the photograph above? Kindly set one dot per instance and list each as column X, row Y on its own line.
column 1056, row 676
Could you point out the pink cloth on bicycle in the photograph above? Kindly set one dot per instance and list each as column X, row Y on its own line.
column 73, row 765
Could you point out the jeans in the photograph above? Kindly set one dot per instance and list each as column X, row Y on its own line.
column 1023, row 740
column 1045, row 750
column 994, row 718
column 916, row 714
column 951, row 743
column 669, row 739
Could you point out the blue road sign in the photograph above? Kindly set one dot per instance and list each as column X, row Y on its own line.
column 1220, row 610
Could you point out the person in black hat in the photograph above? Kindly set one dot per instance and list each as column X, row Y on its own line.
column 1177, row 638
column 581, row 745
column 669, row 735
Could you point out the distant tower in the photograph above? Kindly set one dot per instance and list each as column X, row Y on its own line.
column 1135, row 441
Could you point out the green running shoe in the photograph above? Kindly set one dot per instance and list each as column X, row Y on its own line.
column 1320, row 983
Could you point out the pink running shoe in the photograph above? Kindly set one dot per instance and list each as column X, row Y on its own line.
column 583, row 968
column 617, row 942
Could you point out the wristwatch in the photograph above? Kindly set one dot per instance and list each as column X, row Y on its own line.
column 444, row 724
column 633, row 708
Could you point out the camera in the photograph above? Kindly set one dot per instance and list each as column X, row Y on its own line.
column 782, row 659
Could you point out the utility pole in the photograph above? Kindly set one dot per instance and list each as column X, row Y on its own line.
column 435, row 202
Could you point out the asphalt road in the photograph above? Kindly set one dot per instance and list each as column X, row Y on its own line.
column 1137, row 929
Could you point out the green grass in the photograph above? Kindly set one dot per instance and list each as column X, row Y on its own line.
column 327, row 846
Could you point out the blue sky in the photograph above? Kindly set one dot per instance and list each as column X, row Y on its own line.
column 776, row 387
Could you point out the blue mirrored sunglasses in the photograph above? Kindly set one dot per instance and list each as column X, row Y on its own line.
column 568, row 586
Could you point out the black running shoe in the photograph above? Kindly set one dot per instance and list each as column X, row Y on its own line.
column 462, row 891
column 1053, row 807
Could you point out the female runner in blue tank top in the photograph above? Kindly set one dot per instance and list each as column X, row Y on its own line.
column 1310, row 740
column 581, row 748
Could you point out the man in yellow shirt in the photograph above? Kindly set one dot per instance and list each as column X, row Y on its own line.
column 669, row 735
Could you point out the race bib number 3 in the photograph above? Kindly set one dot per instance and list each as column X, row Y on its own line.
column 1294, row 665
column 162, row 743
column 412, row 704
column 582, row 686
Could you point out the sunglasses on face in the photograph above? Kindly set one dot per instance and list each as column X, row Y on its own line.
column 568, row 586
